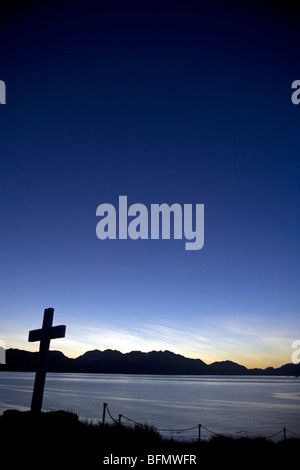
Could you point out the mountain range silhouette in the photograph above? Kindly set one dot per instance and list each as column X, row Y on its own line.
column 135, row 362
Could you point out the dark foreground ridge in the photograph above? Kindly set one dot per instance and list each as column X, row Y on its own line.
column 135, row 362
column 62, row 440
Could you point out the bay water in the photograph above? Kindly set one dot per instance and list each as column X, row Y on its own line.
column 175, row 405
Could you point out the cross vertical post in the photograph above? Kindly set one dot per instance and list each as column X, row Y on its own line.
column 44, row 335
column 104, row 412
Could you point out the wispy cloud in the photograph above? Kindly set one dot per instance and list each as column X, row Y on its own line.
column 225, row 341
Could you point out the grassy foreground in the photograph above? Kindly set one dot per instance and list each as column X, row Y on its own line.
column 61, row 441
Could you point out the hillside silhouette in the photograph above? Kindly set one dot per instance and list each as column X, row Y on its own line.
column 135, row 362
column 63, row 441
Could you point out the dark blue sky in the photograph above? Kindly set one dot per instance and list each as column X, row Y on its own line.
column 187, row 103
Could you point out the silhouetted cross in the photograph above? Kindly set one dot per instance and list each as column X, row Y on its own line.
column 44, row 335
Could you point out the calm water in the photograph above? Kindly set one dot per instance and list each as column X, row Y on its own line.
column 223, row 404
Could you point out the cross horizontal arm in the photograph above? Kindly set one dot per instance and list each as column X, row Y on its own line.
column 47, row 333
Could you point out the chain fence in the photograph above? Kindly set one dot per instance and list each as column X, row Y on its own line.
column 284, row 431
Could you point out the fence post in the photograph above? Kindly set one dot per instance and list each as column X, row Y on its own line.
column 120, row 417
column 104, row 412
column 284, row 434
column 199, row 432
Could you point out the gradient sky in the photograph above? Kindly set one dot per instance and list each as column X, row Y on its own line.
column 162, row 102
